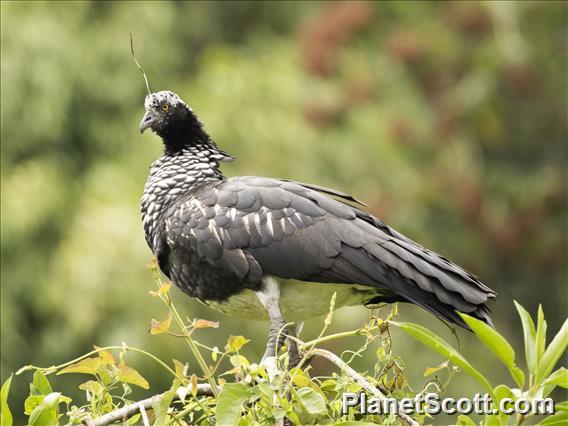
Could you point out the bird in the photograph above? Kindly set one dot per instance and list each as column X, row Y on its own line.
column 275, row 249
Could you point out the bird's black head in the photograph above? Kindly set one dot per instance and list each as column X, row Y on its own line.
column 175, row 122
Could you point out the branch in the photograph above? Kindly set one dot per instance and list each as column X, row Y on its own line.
column 330, row 356
column 130, row 410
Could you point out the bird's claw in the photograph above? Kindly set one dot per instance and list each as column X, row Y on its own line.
column 294, row 357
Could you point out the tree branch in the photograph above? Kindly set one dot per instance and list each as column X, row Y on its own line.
column 330, row 356
column 130, row 410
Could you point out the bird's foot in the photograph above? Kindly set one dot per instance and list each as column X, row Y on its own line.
column 297, row 358
column 294, row 355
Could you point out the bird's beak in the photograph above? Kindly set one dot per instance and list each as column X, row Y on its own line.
column 147, row 121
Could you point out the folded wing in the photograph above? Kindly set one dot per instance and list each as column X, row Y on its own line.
column 244, row 228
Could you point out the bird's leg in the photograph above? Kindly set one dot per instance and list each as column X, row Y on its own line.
column 269, row 297
column 293, row 350
column 277, row 333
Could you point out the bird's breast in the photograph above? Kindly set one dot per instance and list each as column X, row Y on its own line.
column 298, row 300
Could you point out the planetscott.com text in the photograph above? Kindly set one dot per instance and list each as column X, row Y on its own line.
column 432, row 403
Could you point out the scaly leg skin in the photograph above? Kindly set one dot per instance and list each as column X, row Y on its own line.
column 293, row 351
column 277, row 333
column 269, row 296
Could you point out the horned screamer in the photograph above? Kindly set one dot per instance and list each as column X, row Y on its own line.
column 258, row 247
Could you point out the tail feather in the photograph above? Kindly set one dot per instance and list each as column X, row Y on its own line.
column 420, row 282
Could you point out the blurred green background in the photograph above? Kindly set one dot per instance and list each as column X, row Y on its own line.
column 448, row 119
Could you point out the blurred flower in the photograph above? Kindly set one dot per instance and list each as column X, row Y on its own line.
column 469, row 198
column 406, row 46
column 401, row 131
column 447, row 122
column 469, row 17
column 319, row 115
column 327, row 31
column 520, row 80
column 359, row 90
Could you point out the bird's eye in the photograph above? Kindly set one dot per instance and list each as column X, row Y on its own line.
column 165, row 107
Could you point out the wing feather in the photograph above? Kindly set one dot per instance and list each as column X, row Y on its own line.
column 250, row 226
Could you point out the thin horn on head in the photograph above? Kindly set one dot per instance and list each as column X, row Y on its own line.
column 138, row 65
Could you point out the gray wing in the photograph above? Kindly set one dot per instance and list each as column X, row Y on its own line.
column 246, row 227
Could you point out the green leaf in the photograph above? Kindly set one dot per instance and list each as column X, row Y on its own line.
column 329, row 385
column 496, row 344
column 134, row 420
column 299, row 378
column 529, row 333
column 313, row 402
column 431, row 370
column 230, row 402
column 92, row 386
column 239, row 361
column 193, row 382
column 465, row 421
column 214, row 353
column 560, row 418
column 293, row 417
column 354, row 423
column 393, row 312
column 491, row 420
column 85, row 366
column 159, row 327
column 439, row 345
column 161, row 406
column 201, row 323
column 40, row 385
column 180, row 368
column 65, row 399
column 501, row 392
column 561, row 406
column 46, row 412
column 5, row 414
column 235, row 343
column 130, row 375
column 32, row 402
column 558, row 378
column 518, row 375
column 540, row 334
column 164, row 289
column 106, row 356
column 553, row 353
column 107, row 373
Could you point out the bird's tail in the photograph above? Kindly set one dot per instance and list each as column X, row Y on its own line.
column 443, row 311
column 422, row 277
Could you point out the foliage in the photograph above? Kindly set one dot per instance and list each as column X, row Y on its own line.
column 265, row 394
column 540, row 361
column 258, row 394
column 446, row 118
